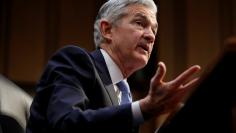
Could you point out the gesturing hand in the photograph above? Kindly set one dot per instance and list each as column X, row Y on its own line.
column 166, row 96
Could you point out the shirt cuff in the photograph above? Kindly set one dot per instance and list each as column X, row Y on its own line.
column 137, row 114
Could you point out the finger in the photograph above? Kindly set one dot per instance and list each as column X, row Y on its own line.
column 174, row 98
column 191, row 84
column 186, row 90
column 190, row 87
column 160, row 73
column 185, row 75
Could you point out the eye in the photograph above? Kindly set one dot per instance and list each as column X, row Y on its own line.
column 139, row 23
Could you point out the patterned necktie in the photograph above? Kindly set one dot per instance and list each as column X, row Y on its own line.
column 125, row 92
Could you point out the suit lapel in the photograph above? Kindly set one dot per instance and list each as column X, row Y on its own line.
column 104, row 75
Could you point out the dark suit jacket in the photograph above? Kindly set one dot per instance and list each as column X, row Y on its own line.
column 75, row 94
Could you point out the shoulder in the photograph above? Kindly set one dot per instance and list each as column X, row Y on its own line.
column 70, row 55
column 70, row 62
column 71, row 50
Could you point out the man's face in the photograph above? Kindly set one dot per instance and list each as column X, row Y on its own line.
column 133, row 37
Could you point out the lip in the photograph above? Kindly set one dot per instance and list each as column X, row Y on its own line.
column 145, row 47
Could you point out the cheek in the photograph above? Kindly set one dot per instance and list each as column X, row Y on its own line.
column 128, row 39
column 152, row 47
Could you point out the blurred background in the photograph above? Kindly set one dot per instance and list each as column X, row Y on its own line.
column 190, row 32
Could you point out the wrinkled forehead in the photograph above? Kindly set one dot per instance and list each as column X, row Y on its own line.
column 138, row 10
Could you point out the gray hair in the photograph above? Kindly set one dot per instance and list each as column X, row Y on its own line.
column 113, row 10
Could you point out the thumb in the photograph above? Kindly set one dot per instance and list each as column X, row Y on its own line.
column 160, row 73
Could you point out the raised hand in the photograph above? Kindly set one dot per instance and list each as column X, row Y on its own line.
column 163, row 96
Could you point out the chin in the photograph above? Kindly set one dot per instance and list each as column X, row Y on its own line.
column 142, row 62
column 144, row 59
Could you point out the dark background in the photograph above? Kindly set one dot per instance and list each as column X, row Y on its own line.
column 190, row 32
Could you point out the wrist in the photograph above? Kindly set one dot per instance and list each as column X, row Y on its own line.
column 145, row 108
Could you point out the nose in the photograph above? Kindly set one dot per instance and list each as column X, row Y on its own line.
column 149, row 36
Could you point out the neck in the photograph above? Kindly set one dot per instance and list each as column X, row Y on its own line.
column 126, row 71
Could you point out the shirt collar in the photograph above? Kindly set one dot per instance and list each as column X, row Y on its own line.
column 114, row 71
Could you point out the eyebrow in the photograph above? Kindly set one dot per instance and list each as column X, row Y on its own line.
column 146, row 19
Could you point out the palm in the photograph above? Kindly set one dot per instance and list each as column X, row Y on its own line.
column 165, row 96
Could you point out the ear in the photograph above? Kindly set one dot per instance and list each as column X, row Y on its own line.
column 105, row 28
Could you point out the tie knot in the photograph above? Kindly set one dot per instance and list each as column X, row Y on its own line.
column 123, row 86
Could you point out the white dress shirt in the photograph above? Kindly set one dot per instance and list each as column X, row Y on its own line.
column 116, row 76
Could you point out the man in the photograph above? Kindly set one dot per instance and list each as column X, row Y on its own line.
column 80, row 92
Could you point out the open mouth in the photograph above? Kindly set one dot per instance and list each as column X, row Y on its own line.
column 144, row 47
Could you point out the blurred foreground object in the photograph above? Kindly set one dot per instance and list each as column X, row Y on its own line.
column 211, row 107
column 14, row 107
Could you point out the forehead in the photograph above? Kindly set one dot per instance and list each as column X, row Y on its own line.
column 138, row 10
